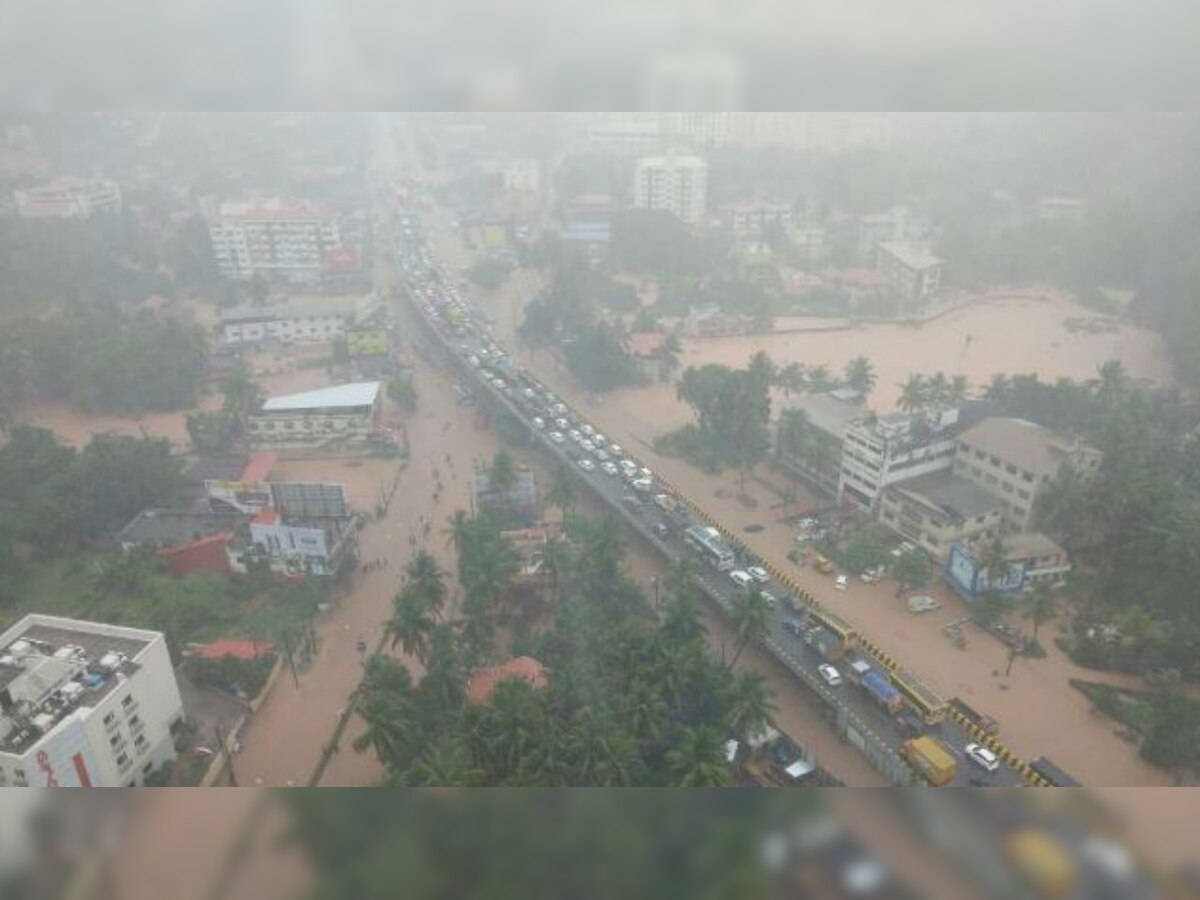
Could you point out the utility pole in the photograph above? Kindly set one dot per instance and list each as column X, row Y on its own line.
column 224, row 744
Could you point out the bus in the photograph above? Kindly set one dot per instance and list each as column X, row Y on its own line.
column 920, row 697
column 711, row 546
column 835, row 624
column 1055, row 776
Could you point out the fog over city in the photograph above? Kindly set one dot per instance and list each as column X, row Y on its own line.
column 688, row 446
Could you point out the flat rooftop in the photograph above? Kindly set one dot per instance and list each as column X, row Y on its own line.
column 1027, row 544
column 34, row 678
column 911, row 254
column 957, row 497
column 339, row 396
column 832, row 412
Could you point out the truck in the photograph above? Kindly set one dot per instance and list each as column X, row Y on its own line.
column 857, row 667
column 828, row 644
column 931, row 759
column 1043, row 862
column 880, row 689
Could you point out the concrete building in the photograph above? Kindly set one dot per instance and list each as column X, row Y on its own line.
column 896, row 224
column 291, row 239
column 678, row 184
column 884, row 450
column 818, row 458
column 344, row 413
column 626, row 134
column 754, row 218
column 939, row 510
column 295, row 547
column 187, row 540
column 1014, row 459
column 1032, row 558
column 297, row 320
column 912, row 273
column 712, row 322
column 68, row 198
column 84, row 704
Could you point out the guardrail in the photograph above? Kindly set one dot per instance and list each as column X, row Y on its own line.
column 934, row 709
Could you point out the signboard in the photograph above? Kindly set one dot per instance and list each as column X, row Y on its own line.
column 63, row 760
column 305, row 500
column 238, row 496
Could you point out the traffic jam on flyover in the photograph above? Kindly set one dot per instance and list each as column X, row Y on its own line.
column 885, row 708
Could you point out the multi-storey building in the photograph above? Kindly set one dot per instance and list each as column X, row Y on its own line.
column 936, row 511
column 816, row 453
column 84, row 704
column 896, row 224
column 336, row 415
column 756, row 217
column 1014, row 459
column 68, row 198
column 884, row 450
column 912, row 273
column 291, row 239
column 678, row 184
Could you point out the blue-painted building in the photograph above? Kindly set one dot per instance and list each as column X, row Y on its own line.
column 1032, row 557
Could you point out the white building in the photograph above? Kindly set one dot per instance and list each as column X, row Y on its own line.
column 343, row 413
column 84, row 704
column 678, row 184
column 272, row 236
column 913, row 274
column 69, row 198
column 896, row 224
column 890, row 449
column 297, row 320
column 756, row 217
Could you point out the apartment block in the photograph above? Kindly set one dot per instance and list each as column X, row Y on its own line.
column 68, row 198
column 1014, row 459
column 84, row 704
column 678, row 184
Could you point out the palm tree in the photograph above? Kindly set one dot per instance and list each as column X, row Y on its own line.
column 999, row 389
column 750, row 703
column 384, row 701
column 428, row 580
column 411, row 622
column 751, row 620
column 860, row 375
column 603, row 549
column 995, row 562
column 959, row 386
column 562, row 491
column 697, row 761
column 555, row 559
column 1113, row 384
column 668, row 356
column 820, row 379
column 913, row 393
column 791, row 379
column 502, row 474
column 445, row 764
column 937, row 389
column 1039, row 606
column 456, row 529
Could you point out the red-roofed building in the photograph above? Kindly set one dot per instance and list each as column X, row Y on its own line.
column 646, row 344
column 265, row 516
column 483, row 681
column 237, row 648
column 208, row 554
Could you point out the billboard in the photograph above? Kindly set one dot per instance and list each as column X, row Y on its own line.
column 64, row 759
column 238, row 496
column 310, row 500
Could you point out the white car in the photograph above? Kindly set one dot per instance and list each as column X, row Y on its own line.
column 627, row 467
column 645, row 473
column 841, row 582
column 575, row 435
column 643, row 485
column 588, row 446
column 601, row 456
column 587, row 465
column 615, row 449
column 599, row 440
column 562, row 424
column 769, row 598
column 608, row 468
column 474, row 360
column 587, row 429
column 759, row 574
column 740, row 578
column 557, row 437
column 538, row 423
column 982, row 757
column 831, row 676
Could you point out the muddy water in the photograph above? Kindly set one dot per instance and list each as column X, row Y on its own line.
column 1040, row 713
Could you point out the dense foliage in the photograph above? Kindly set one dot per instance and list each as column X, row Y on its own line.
column 103, row 362
column 629, row 700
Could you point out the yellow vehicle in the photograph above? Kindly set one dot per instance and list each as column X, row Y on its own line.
column 931, row 758
column 1043, row 862
column 822, row 565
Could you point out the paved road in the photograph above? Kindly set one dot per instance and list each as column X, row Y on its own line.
column 466, row 334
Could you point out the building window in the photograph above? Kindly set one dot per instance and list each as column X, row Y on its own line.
column 123, row 760
column 979, row 454
column 108, row 719
column 147, row 768
column 1006, row 487
column 1024, row 495
column 1010, row 469
column 1028, row 476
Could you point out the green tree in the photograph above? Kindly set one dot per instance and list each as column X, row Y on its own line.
column 860, row 375
column 750, row 703
column 1040, row 606
column 502, row 474
column 402, row 392
column 913, row 394
column 242, row 395
column 911, row 570
column 411, row 622
column 697, row 760
column 561, row 492
column 750, row 617
column 995, row 562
